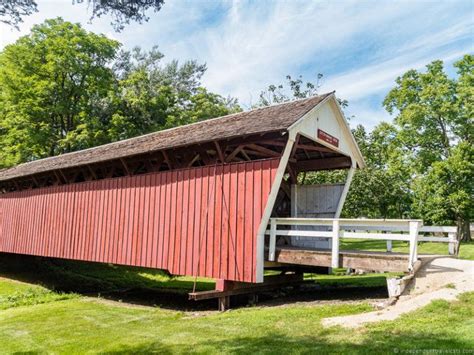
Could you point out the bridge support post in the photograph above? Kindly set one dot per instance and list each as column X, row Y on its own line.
column 452, row 243
column 335, row 244
column 272, row 243
column 414, row 228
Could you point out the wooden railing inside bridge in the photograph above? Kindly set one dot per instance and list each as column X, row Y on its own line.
column 411, row 231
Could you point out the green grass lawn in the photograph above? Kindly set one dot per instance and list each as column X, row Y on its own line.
column 37, row 319
column 466, row 250
column 88, row 325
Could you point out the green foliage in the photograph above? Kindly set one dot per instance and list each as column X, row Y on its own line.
column 51, row 83
column 12, row 12
column 151, row 96
column 32, row 296
column 433, row 111
column 434, row 116
column 445, row 193
column 64, row 89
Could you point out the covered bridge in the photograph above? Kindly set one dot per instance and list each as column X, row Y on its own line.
column 194, row 200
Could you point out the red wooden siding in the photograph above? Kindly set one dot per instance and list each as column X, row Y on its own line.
column 198, row 221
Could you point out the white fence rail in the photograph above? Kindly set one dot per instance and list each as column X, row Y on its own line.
column 372, row 229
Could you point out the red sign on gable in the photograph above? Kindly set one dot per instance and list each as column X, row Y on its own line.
column 328, row 138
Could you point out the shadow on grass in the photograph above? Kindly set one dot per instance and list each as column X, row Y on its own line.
column 151, row 287
column 283, row 344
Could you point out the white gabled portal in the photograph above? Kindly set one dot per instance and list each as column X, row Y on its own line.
column 324, row 124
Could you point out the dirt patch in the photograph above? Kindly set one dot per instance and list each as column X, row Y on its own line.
column 440, row 278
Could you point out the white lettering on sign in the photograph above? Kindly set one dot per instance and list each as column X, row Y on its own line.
column 328, row 138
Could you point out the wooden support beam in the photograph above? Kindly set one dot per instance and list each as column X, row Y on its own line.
column 240, row 288
column 92, row 172
column 58, row 178
column 232, row 155
column 195, row 159
column 111, row 172
column 293, row 175
column 219, row 151
column 315, row 148
column 365, row 260
column 263, row 150
column 245, row 155
column 293, row 150
column 35, row 181
column 204, row 155
column 323, row 164
column 125, row 166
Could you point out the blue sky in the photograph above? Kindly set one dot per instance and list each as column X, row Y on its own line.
column 359, row 46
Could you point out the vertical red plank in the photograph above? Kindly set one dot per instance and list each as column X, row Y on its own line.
column 250, row 229
column 167, row 221
column 88, row 226
column 204, row 223
column 108, row 236
column 42, row 224
column 57, row 234
column 184, row 224
column 161, row 223
column 97, row 220
column 257, row 178
column 233, row 222
column 137, row 221
column 14, row 223
column 211, row 203
column 217, row 211
column 172, row 226
column 117, row 220
column 178, row 221
column 240, row 242
column 17, row 224
column 122, row 222
column 146, row 221
column 190, row 223
column 225, row 223
column 71, row 217
column 197, row 220
column 154, row 204
column 21, row 221
column 111, row 236
column 83, row 222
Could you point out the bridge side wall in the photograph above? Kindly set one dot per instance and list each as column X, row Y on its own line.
column 197, row 221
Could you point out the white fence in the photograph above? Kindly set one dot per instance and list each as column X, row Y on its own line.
column 372, row 229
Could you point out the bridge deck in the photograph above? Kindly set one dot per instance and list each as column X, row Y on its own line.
column 354, row 259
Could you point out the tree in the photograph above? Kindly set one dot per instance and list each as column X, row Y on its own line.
column 13, row 11
column 151, row 95
column 64, row 89
column 292, row 89
column 434, row 115
column 51, row 84
column 445, row 193
column 122, row 12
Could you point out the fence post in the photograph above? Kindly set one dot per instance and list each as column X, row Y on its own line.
column 335, row 244
column 271, row 246
column 452, row 243
column 414, row 228
column 389, row 246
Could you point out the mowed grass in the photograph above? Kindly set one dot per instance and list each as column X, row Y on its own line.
column 68, row 323
column 91, row 325
column 466, row 250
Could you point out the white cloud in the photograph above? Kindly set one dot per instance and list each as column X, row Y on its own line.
column 249, row 45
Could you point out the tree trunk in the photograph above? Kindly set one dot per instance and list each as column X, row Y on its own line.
column 464, row 232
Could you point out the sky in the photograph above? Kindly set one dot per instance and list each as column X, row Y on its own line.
column 360, row 47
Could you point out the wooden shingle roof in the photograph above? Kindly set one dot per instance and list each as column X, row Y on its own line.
column 263, row 120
